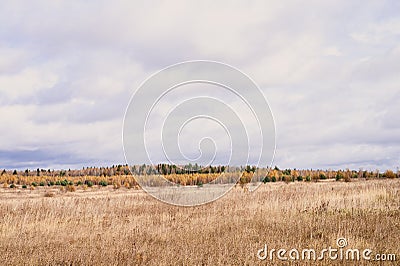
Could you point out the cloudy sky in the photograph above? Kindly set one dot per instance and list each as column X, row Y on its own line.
column 329, row 69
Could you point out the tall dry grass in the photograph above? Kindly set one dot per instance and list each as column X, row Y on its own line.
column 127, row 227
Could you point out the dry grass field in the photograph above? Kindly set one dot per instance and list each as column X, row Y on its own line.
column 104, row 226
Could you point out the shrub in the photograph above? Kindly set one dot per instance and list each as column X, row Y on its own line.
column 24, row 186
column 299, row 178
column 58, row 183
column 266, row 179
column 79, row 183
column 339, row 176
column 64, row 183
column 13, row 186
column 42, row 184
column 273, row 179
column 308, row 178
column 51, row 183
column 103, row 183
column 71, row 188
column 34, row 184
column 322, row 176
column 89, row 183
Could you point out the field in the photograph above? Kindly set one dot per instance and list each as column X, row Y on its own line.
column 107, row 226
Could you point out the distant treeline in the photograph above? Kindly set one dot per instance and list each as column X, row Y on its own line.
column 277, row 174
column 165, row 169
column 274, row 174
column 121, row 176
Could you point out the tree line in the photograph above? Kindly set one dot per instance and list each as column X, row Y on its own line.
column 171, row 169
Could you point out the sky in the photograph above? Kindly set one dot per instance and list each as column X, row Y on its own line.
column 329, row 70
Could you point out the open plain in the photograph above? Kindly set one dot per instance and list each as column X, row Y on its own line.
column 107, row 226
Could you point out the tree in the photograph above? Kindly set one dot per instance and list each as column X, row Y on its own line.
column 389, row 174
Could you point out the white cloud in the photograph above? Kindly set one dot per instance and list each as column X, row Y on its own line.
column 332, row 51
column 379, row 32
column 26, row 83
column 11, row 58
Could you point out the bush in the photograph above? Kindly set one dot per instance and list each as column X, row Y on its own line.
column 308, row 178
column 266, row 179
column 89, row 183
column 42, row 184
column 24, row 186
column 273, row 179
column 71, row 188
column 34, row 184
column 339, row 176
column 79, row 183
column 103, row 183
column 58, row 183
column 51, row 183
column 64, row 183
column 299, row 178
column 322, row 176
column 13, row 186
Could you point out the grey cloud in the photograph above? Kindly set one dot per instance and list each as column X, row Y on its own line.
column 39, row 158
column 81, row 112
